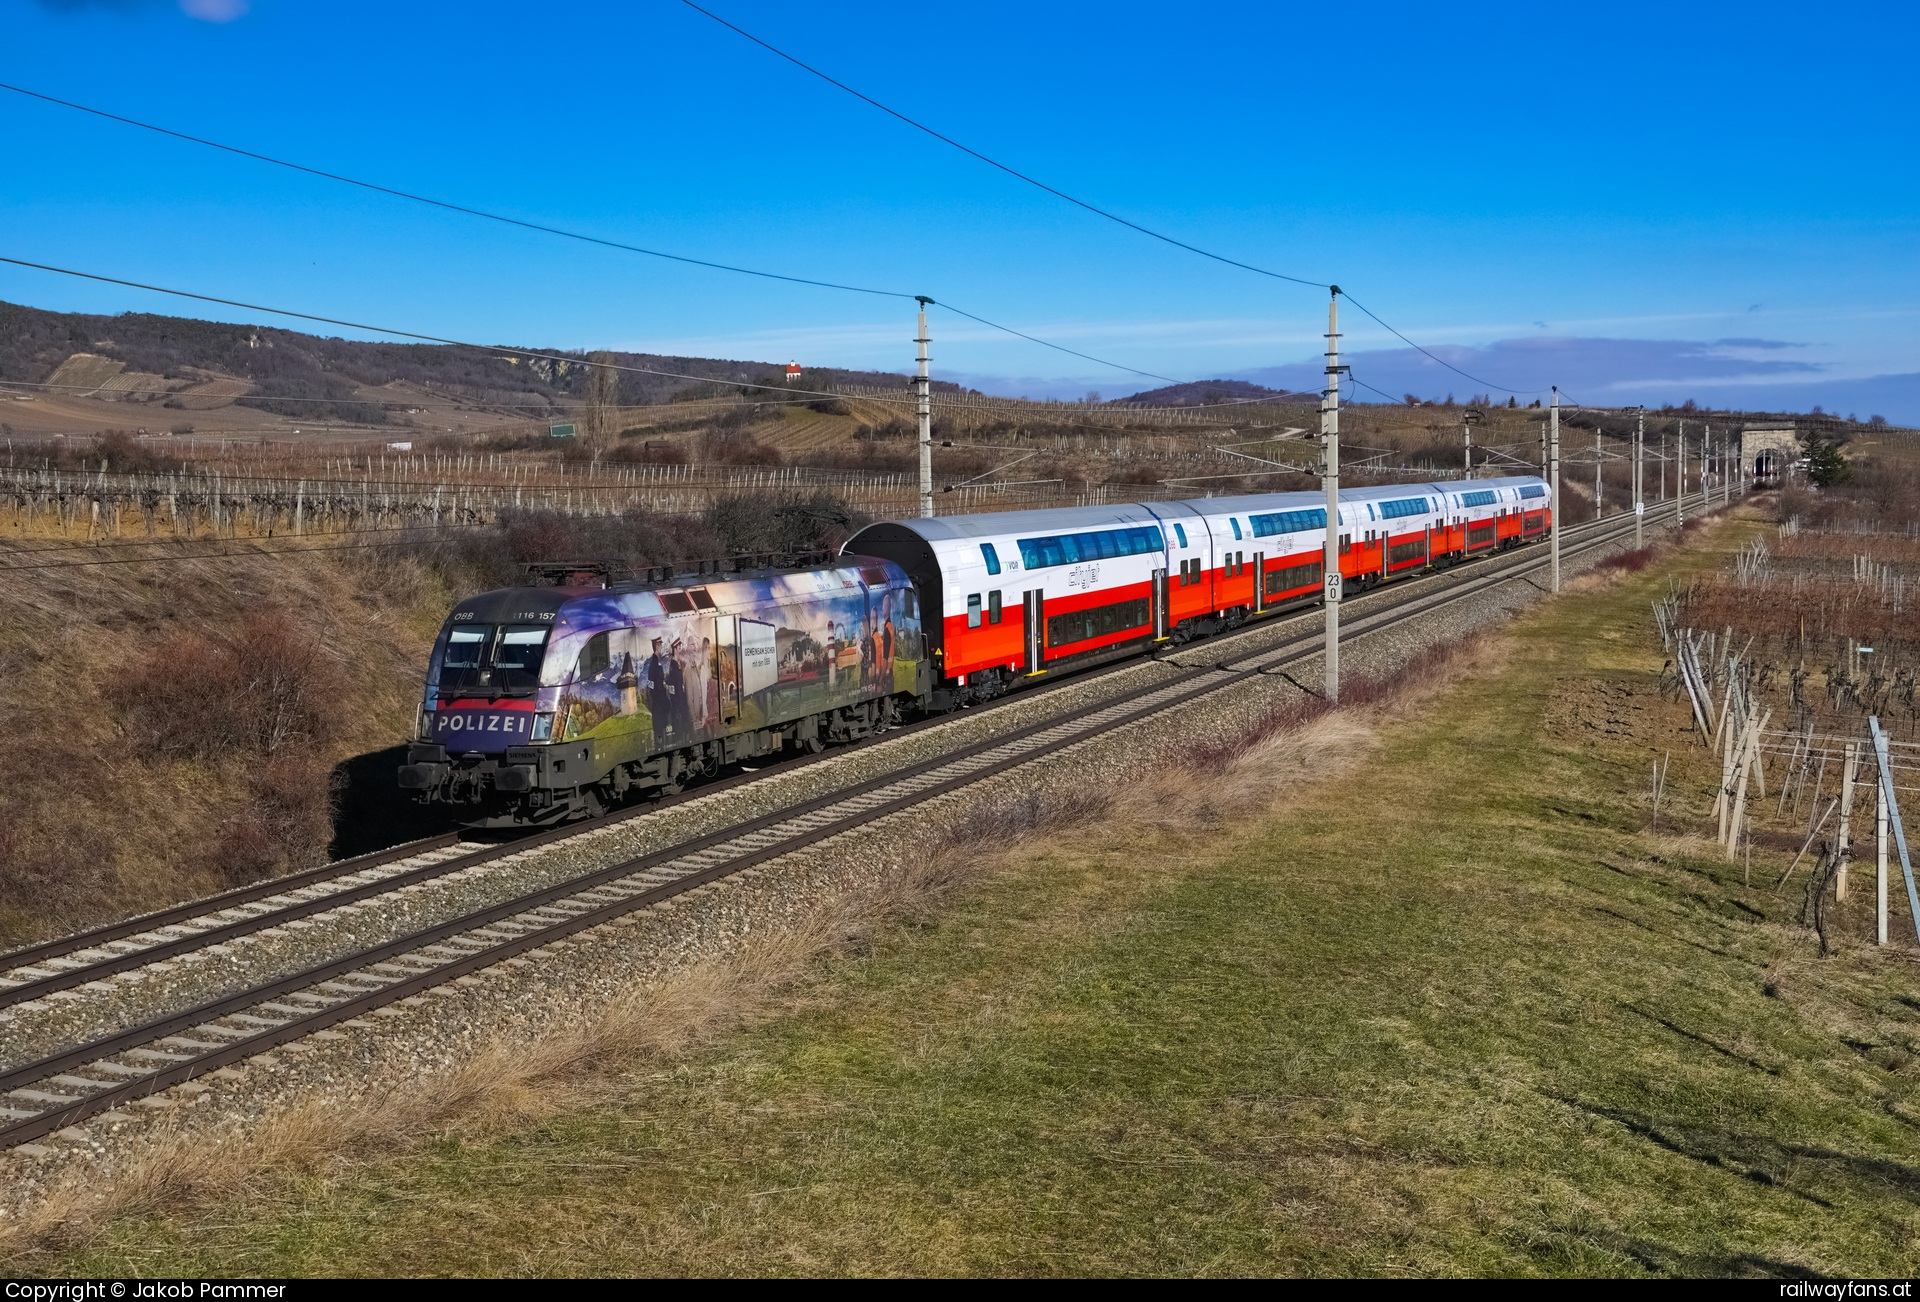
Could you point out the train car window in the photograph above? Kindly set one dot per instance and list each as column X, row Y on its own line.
column 594, row 658
column 1235, row 522
column 973, row 610
column 1370, row 512
column 1289, row 577
column 675, row 603
column 993, row 606
column 1265, row 526
column 1405, row 506
column 1533, row 490
column 992, row 558
column 1180, row 532
column 1072, row 548
column 702, row 601
column 1099, row 621
column 913, row 603
column 1486, row 498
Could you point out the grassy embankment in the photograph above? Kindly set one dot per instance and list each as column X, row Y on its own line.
column 1457, row 1011
column 187, row 725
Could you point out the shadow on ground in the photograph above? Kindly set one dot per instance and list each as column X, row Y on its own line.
column 370, row 812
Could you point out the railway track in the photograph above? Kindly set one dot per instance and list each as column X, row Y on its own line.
column 58, row 1090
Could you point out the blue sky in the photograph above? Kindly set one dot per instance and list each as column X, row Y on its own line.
column 1640, row 202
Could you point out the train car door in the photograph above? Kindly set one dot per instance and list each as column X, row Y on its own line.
column 726, row 654
column 1161, row 619
column 1032, row 612
column 1259, row 582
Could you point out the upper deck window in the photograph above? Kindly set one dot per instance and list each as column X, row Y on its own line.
column 991, row 557
column 1405, row 506
column 1485, row 497
column 1073, row 548
column 1265, row 526
column 1533, row 490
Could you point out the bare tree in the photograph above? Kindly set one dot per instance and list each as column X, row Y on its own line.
column 602, row 416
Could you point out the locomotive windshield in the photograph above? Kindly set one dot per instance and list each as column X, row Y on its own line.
column 497, row 660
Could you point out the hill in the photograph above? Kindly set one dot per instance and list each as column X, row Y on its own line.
column 188, row 364
column 1201, row 393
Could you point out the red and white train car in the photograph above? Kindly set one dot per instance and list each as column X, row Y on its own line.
column 1015, row 594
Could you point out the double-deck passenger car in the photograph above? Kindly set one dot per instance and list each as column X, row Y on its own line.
column 1015, row 594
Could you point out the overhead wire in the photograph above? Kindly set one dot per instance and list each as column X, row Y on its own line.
column 560, row 231
column 446, row 204
column 1082, row 203
column 993, row 162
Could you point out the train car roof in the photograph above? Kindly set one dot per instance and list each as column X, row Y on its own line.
column 1373, row 493
column 995, row 524
column 505, row 605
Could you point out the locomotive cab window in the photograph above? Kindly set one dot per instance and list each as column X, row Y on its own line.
column 992, row 558
column 517, row 656
column 993, row 606
column 973, row 610
column 466, row 647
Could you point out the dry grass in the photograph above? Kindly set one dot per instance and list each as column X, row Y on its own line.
column 186, row 719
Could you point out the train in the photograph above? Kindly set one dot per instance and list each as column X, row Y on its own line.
column 582, row 689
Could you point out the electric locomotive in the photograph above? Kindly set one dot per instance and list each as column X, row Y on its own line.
column 552, row 702
column 547, row 702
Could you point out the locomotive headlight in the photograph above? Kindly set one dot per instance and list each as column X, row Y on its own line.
column 542, row 727
column 425, row 732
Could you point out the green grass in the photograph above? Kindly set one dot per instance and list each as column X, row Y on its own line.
column 1456, row 1013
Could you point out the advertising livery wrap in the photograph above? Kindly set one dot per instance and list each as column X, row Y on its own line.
column 522, row 676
